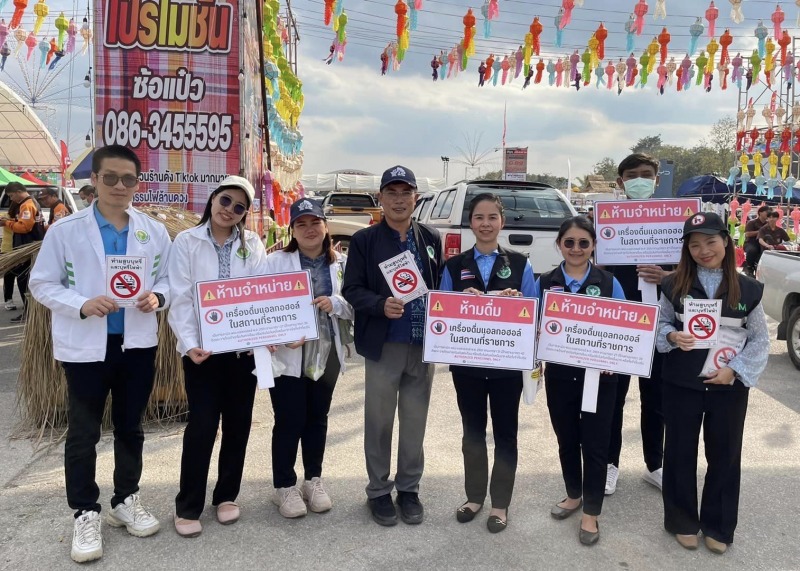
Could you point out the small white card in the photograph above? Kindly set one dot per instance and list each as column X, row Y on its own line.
column 403, row 276
column 701, row 318
column 125, row 278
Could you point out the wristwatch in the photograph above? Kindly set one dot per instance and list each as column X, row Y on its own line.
column 160, row 298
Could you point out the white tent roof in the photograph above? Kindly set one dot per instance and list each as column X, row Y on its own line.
column 324, row 183
column 26, row 143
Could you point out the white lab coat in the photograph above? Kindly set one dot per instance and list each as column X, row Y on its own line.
column 71, row 269
column 292, row 359
column 193, row 260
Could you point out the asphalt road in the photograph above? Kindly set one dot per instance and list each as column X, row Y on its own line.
column 36, row 524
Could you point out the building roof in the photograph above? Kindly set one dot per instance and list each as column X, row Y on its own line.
column 27, row 144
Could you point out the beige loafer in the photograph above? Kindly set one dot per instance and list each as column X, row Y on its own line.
column 687, row 541
column 228, row 513
column 716, row 546
column 188, row 527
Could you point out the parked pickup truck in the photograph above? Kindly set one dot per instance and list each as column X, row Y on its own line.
column 533, row 212
column 359, row 206
column 780, row 274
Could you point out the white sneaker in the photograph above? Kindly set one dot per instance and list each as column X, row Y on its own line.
column 131, row 514
column 289, row 501
column 612, row 475
column 654, row 478
column 87, row 540
column 10, row 306
column 315, row 496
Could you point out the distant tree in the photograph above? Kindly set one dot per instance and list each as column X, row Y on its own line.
column 649, row 145
column 491, row 175
column 607, row 168
column 547, row 178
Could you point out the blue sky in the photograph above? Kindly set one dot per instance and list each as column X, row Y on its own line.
column 354, row 118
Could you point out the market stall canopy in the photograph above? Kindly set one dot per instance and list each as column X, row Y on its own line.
column 325, row 183
column 711, row 188
column 81, row 167
column 26, row 142
column 8, row 176
column 38, row 182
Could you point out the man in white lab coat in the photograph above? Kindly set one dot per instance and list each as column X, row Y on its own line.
column 102, row 346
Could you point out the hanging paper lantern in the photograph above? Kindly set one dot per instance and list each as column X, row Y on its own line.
column 3, row 32
column 783, row 41
column 695, row 31
column 712, row 13
column 652, row 52
column 701, row 62
column 736, row 11
column 526, row 54
column 661, row 10
column 601, row 34
column 769, row 61
column 566, row 18
column 593, row 46
column 44, row 49
column 62, row 25
column 737, row 70
column 663, row 40
column 630, row 29
column 777, row 19
column 41, row 10
column 86, row 34
column 412, row 17
column 536, row 31
column 19, row 10
column 712, row 49
column 640, row 11
column 761, row 33
column 31, row 43
column 487, row 23
column 586, row 58
column 725, row 40
column 20, row 36
column 551, row 72
column 328, row 12
column 723, row 69
column 494, row 9
column 559, row 29
column 5, row 51
column 401, row 9
column 469, row 36
column 620, row 68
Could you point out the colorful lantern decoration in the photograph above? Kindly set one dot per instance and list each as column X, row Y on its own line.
column 736, row 11
column 566, row 18
column 41, row 10
column 652, row 51
column 630, row 30
column 469, row 35
column 777, row 19
column 695, row 31
column 341, row 36
column 526, row 54
column 487, row 23
column 19, row 10
column 640, row 11
column 86, row 34
column 559, row 30
column 401, row 9
column 769, row 61
column 712, row 13
column 725, row 41
column 20, row 35
column 761, row 33
column 536, row 31
column 3, row 32
column 593, row 45
column 62, row 24
column 44, row 49
column 72, row 31
column 5, row 51
column 644, row 60
column 661, row 10
column 701, row 62
column 737, row 70
column 412, row 16
column 663, row 40
column 601, row 34
column 328, row 15
column 30, row 43
column 755, row 62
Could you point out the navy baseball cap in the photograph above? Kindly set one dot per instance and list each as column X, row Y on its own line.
column 398, row 174
column 305, row 207
column 704, row 223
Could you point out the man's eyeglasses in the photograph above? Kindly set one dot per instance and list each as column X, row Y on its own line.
column 584, row 244
column 225, row 201
column 394, row 195
column 128, row 180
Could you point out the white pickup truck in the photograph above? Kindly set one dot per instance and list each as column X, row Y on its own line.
column 780, row 274
column 533, row 212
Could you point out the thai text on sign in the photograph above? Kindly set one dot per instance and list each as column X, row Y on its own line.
column 641, row 231
column 403, row 276
column 242, row 313
column 480, row 330
column 701, row 318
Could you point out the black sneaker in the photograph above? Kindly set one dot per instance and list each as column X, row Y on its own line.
column 19, row 318
column 411, row 510
column 383, row 511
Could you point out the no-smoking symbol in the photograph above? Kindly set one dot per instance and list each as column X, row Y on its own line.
column 125, row 284
column 405, row 281
column 723, row 357
column 702, row 326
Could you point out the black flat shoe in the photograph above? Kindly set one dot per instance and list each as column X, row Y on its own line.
column 589, row 537
column 495, row 524
column 466, row 515
column 563, row 513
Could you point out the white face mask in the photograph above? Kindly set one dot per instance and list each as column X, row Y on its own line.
column 639, row 188
column 84, row 202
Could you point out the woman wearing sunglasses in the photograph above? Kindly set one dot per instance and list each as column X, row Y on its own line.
column 583, row 438
column 218, row 386
column 488, row 268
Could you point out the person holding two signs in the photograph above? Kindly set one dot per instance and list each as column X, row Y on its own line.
column 301, row 397
column 581, row 435
column 488, row 268
column 217, row 385
column 706, row 389
column 102, row 347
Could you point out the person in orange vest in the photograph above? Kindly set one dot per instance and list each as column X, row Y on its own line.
column 26, row 227
column 58, row 210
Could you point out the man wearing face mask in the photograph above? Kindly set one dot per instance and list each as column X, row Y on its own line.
column 87, row 194
column 638, row 177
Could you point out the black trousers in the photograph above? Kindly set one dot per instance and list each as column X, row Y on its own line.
column 22, row 273
column 8, row 285
column 652, row 417
column 581, row 436
column 752, row 255
column 301, row 409
column 223, row 386
column 128, row 376
column 721, row 416
column 503, row 395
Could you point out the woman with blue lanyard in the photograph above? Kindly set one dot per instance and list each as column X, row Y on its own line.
column 703, row 392
column 487, row 268
column 218, row 386
column 583, row 437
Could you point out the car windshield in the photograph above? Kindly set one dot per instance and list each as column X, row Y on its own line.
column 349, row 200
column 525, row 208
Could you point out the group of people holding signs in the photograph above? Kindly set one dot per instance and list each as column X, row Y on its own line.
column 244, row 319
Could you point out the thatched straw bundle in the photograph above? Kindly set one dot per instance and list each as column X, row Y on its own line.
column 41, row 387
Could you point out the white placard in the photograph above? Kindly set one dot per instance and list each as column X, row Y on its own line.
column 701, row 318
column 731, row 342
column 125, row 278
column 496, row 332
column 591, row 388
column 631, row 232
column 403, row 276
column 243, row 313
column 649, row 291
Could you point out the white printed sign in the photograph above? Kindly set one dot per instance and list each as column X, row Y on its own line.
column 731, row 342
column 403, row 276
column 496, row 332
column 701, row 318
column 125, row 278
column 649, row 231
column 243, row 313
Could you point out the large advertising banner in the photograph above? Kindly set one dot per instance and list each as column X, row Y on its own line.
column 480, row 330
column 167, row 86
column 515, row 164
column 597, row 333
column 631, row 232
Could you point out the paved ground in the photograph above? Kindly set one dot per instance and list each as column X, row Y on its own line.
column 36, row 524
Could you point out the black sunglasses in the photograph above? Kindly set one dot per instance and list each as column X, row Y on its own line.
column 583, row 244
column 128, row 180
column 225, row 201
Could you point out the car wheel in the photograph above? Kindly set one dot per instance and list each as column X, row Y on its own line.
column 343, row 241
column 793, row 337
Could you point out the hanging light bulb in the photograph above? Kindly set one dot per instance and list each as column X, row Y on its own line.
column 87, row 79
column 88, row 139
column 241, row 74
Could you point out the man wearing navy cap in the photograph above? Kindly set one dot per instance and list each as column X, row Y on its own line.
column 388, row 334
